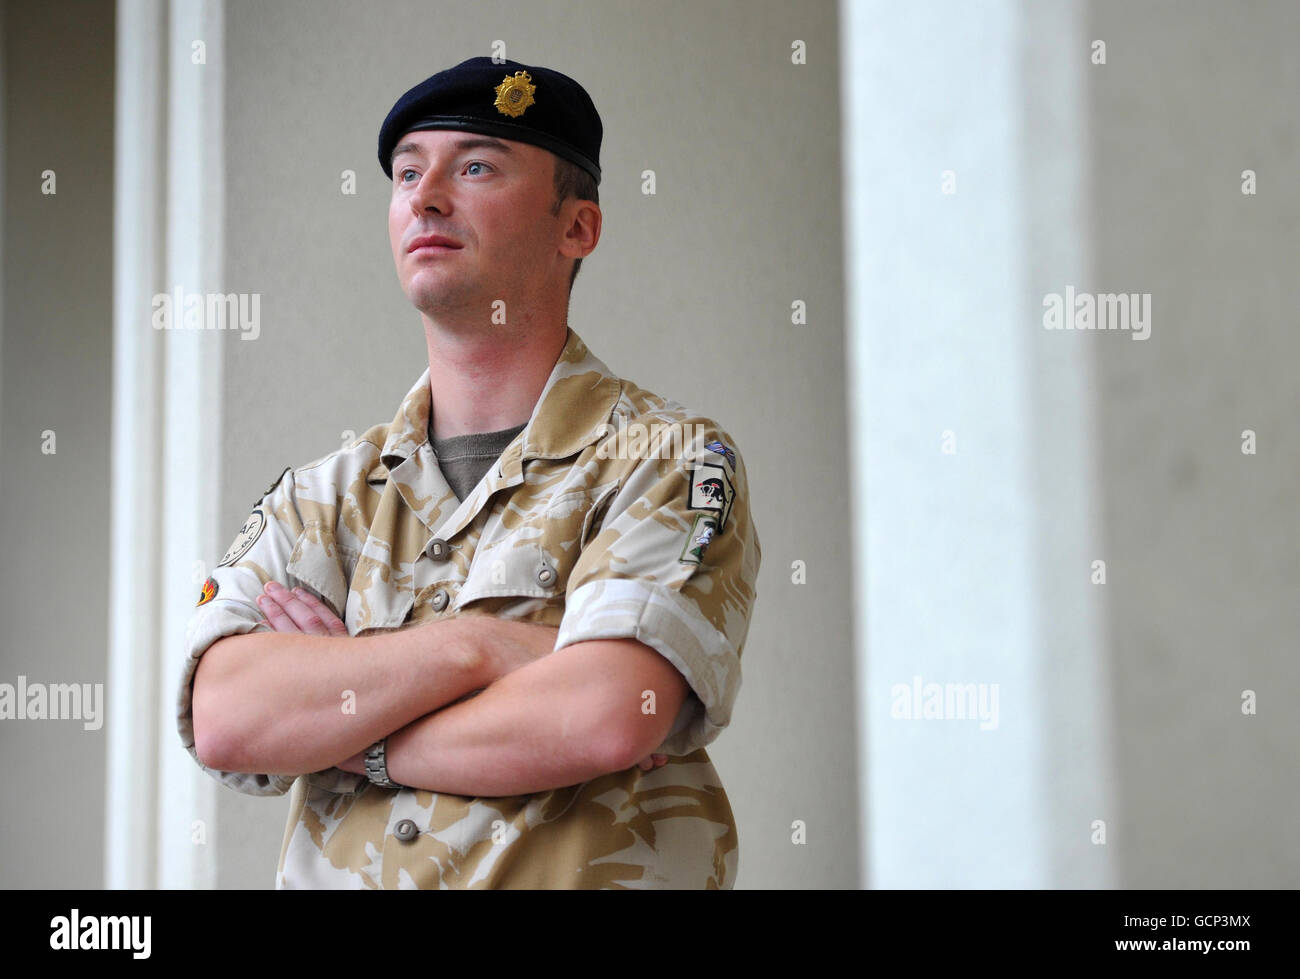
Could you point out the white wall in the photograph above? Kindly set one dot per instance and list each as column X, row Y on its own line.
column 1202, row 539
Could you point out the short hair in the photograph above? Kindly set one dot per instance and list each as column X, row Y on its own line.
column 573, row 181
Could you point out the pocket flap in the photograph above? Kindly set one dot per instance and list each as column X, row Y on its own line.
column 318, row 562
column 522, row 570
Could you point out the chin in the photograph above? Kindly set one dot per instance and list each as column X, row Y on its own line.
column 433, row 298
column 424, row 287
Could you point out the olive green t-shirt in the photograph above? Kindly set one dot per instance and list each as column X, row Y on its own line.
column 464, row 459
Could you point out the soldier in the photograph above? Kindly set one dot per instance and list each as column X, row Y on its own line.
column 486, row 644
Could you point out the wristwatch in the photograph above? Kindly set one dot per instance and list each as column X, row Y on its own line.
column 376, row 766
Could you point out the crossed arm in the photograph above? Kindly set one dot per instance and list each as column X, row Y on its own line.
column 279, row 702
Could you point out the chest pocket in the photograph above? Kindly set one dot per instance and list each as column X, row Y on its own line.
column 322, row 564
column 528, row 578
column 514, row 571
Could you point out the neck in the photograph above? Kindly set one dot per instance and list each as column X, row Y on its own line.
column 490, row 377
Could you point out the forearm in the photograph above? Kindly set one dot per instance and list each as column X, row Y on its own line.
column 538, row 728
column 290, row 703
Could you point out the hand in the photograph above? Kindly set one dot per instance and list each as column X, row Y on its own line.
column 298, row 611
column 302, row 612
column 652, row 761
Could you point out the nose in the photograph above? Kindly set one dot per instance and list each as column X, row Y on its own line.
column 430, row 195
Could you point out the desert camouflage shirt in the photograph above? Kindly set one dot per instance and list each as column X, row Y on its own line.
column 615, row 513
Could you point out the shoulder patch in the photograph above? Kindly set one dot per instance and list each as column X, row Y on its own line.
column 724, row 450
column 208, row 592
column 711, row 489
column 702, row 533
column 247, row 536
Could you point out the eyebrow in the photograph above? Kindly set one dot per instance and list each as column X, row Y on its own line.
column 474, row 143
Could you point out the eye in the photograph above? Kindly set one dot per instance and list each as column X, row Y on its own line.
column 477, row 163
column 404, row 171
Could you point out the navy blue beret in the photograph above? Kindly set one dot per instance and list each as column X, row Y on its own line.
column 505, row 99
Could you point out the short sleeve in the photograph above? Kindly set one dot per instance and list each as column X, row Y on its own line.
column 675, row 565
column 263, row 550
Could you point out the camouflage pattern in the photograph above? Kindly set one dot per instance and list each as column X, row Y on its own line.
column 356, row 527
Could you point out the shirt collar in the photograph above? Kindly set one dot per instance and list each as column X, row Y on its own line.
column 570, row 414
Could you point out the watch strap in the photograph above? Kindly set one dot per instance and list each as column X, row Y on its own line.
column 377, row 765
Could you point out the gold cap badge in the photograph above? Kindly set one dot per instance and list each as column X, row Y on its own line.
column 514, row 95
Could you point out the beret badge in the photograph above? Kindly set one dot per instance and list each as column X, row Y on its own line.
column 515, row 94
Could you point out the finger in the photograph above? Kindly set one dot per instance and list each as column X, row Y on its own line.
column 660, row 760
column 333, row 623
column 645, row 764
column 275, row 615
column 303, row 617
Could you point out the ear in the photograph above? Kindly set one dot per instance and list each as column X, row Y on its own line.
column 581, row 223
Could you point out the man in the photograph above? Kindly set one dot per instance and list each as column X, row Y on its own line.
column 487, row 643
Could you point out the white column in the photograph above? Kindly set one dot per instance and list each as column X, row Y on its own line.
column 132, row 757
column 966, row 573
column 192, row 413
column 166, row 433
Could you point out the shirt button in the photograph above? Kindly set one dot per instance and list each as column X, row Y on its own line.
column 406, row 830
column 545, row 576
column 440, row 599
column 438, row 549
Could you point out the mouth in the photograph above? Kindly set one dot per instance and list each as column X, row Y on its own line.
column 433, row 243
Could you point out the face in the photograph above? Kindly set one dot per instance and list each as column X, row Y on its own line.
column 490, row 200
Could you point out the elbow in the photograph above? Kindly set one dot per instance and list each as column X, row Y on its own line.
column 212, row 739
column 208, row 749
column 623, row 748
column 630, row 736
column 208, row 753
column 603, row 747
column 223, row 748
column 219, row 743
